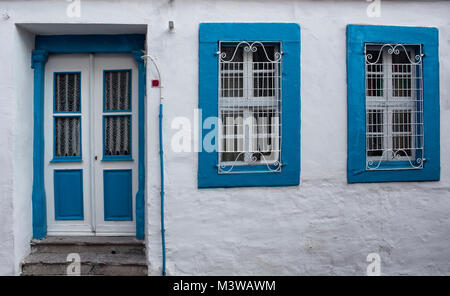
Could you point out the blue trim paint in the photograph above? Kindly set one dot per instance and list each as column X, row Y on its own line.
column 140, row 199
column 131, row 86
column 357, row 36
column 125, row 43
column 54, row 91
column 130, row 134
column 288, row 34
column 67, row 158
column 68, row 193
column 118, row 195
column 132, row 43
column 38, row 60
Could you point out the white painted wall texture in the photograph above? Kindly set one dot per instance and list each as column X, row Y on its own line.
column 322, row 227
column 7, row 117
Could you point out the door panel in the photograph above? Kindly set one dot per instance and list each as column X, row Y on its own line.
column 116, row 143
column 118, row 195
column 68, row 194
column 91, row 144
column 67, row 167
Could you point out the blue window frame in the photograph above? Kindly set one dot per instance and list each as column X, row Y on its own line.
column 286, row 36
column 419, row 47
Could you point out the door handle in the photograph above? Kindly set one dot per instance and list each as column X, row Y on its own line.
column 95, row 157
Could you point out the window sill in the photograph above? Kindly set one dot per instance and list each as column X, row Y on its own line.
column 119, row 112
column 118, row 158
column 67, row 159
column 119, row 219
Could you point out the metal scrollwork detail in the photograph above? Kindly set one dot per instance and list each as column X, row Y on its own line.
column 249, row 47
column 375, row 164
column 394, row 49
column 272, row 167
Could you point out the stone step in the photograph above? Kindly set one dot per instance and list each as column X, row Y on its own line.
column 92, row 263
column 98, row 244
column 99, row 255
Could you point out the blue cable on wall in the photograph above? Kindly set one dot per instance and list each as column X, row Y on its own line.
column 161, row 163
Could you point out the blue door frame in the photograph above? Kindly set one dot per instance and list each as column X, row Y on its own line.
column 46, row 45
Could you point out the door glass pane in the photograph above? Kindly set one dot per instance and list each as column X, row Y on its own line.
column 117, row 135
column 117, row 90
column 67, row 136
column 67, row 92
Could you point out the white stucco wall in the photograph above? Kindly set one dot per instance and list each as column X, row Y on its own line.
column 7, row 116
column 23, row 134
column 324, row 226
column 17, row 135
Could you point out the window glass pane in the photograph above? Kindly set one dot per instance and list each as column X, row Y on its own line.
column 232, row 140
column 232, row 85
column 232, row 73
column 67, row 92
column 374, row 63
column 232, row 54
column 267, row 139
column 67, row 136
column 401, row 128
column 264, row 54
column 264, row 80
column 117, row 131
column 117, row 90
column 264, row 71
column 375, row 133
column 401, row 74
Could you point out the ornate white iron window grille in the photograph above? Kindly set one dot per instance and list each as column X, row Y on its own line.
column 249, row 103
column 394, row 106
